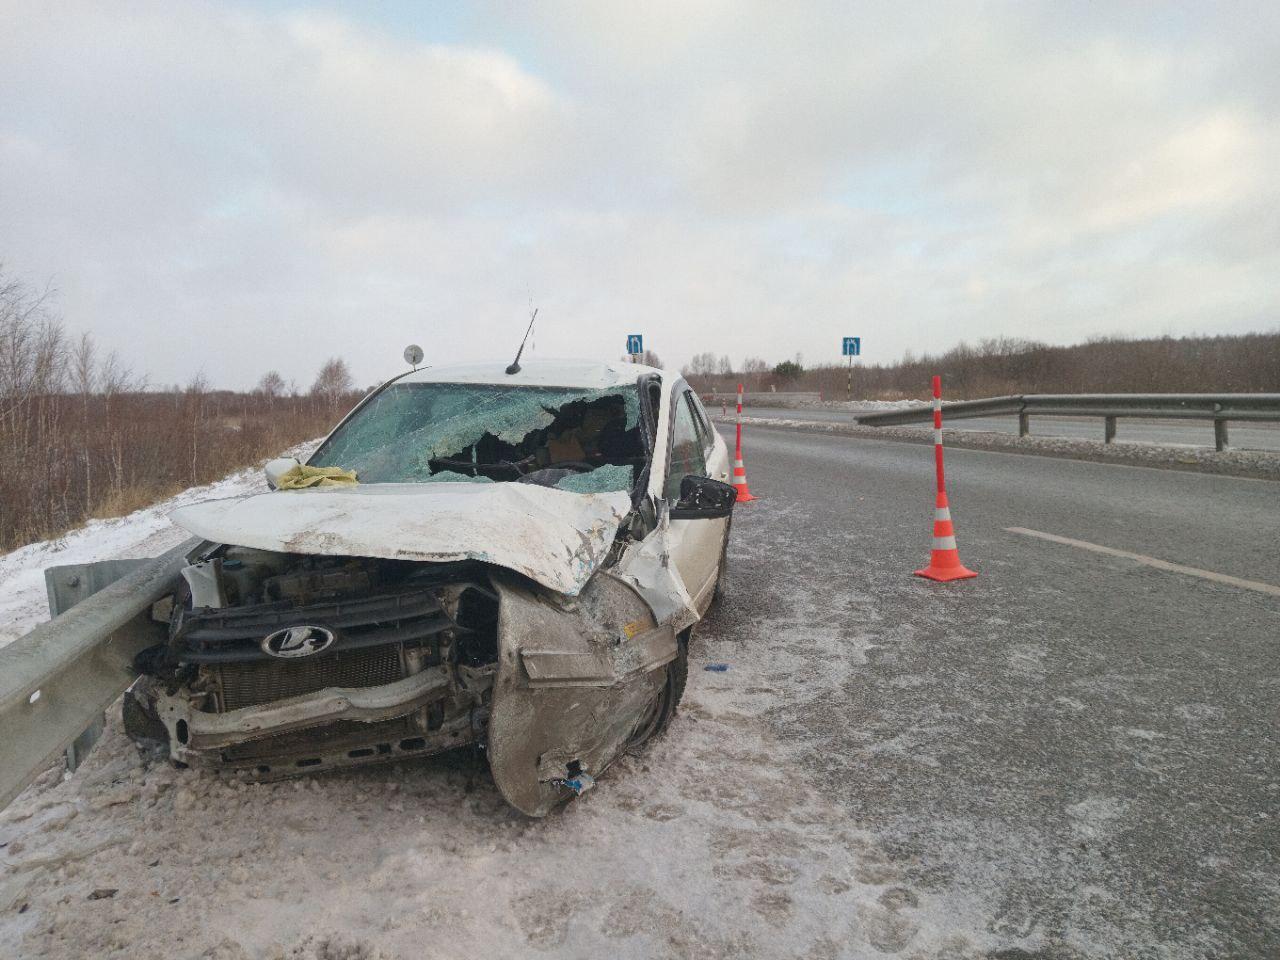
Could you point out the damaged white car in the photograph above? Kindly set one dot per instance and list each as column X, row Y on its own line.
column 516, row 565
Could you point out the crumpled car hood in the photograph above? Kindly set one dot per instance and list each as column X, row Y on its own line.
column 552, row 536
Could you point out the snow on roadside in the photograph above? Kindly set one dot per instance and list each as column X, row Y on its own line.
column 143, row 533
column 790, row 401
column 867, row 406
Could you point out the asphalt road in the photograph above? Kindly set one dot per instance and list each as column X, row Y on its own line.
column 1072, row 755
column 1243, row 436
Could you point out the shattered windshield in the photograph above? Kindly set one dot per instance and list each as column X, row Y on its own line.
column 584, row 441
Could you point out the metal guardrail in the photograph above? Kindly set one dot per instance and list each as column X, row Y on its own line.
column 56, row 681
column 1218, row 407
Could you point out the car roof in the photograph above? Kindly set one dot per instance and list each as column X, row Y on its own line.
column 588, row 374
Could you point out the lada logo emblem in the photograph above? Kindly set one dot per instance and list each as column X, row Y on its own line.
column 300, row 641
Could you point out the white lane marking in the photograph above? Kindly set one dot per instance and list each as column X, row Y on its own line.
column 1159, row 564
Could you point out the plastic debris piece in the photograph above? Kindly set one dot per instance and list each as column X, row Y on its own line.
column 103, row 893
column 580, row 783
column 716, row 667
column 301, row 477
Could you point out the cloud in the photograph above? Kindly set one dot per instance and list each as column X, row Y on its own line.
column 233, row 189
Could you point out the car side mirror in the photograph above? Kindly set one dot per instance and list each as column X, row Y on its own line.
column 702, row 498
column 277, row 468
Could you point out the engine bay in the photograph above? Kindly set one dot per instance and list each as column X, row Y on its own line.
column 264, row 648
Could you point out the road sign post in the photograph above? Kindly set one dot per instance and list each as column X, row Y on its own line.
column 851, row 347
column 635, row 346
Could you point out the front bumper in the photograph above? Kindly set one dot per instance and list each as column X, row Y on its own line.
column 192, row 729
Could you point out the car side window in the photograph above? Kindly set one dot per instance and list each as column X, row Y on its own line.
column 705, row 430
column 686, row 449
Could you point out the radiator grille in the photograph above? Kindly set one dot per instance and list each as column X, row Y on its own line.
column 249, row 683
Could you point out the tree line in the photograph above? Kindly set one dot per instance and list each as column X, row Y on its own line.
column 1243, row 363
column 85, row 436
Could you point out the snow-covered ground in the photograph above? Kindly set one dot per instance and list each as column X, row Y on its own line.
column 868, row 406
column 810, row 401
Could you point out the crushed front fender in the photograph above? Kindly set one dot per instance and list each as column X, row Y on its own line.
column 576, row 678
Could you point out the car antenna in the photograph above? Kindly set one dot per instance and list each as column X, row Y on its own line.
column 515, row 364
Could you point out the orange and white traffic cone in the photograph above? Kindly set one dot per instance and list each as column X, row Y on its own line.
column 739, row 471
column 944, row 561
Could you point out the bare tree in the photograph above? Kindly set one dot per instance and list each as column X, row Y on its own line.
column 271, row 386
column 754, row 371
column 32, row 346
column 84, row 367
column 651, row 359
column 84, row 378
column 702, row 364
column 115, row 378
column 333, row 382
column 196, row 394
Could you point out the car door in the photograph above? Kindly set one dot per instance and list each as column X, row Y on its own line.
column 695, row 544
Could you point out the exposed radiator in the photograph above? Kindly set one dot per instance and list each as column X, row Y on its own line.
column 247, row 683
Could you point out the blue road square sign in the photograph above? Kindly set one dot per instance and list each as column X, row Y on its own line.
column 635, row 344
column 852, row 347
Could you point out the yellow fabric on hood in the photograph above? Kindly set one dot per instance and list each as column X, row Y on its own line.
column 302, row 477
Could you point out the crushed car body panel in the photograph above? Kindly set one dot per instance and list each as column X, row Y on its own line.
column 598, row 664
column 554, row 537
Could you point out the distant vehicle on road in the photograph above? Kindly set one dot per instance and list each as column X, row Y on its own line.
column 516, row 564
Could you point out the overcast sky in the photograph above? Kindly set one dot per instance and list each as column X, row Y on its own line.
column 236, row 187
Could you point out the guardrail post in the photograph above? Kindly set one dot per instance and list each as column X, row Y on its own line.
column 67, row 586
column 1024, row 424
column 1109, row 429
column 1220, row 435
